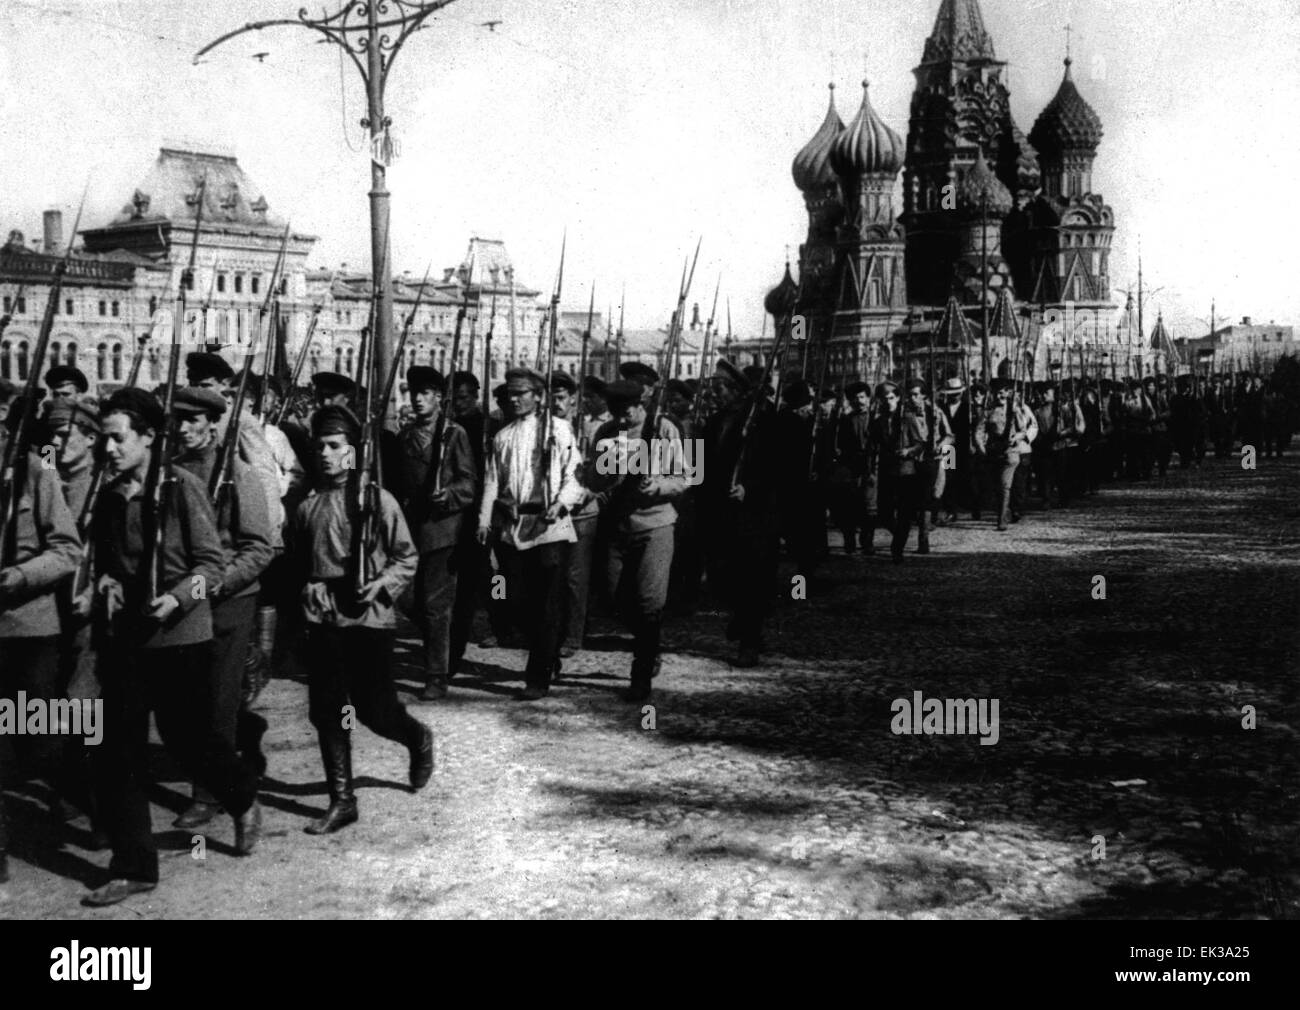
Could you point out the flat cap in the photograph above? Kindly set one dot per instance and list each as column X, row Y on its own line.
column 918, row 384
column 332, row 383
column 62, row 374
column 420, row 377
column 888, row 386
column 797, row 393
column 638, row 371
column 203, row 365
column 62, row 412
column 565, row 381
column 191, row 400
column 679, row 388
column 463, row 378
column 138, row 402
column 336, row 420
column 593, row 385
column 526, row 375
column 726, row 370
column 623, row 393
column 854, row 388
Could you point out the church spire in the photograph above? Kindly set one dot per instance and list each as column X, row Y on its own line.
column 959, row 34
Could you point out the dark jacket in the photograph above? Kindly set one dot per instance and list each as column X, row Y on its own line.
column 47, row 551
column 436, row 526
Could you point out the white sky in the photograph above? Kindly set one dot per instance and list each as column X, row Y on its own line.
column 642, row 126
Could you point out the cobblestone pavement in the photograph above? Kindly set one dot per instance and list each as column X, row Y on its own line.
column 782, row 792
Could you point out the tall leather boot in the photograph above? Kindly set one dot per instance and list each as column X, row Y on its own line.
column 1004, row 510
column 645, row 659
column 257, row 665
column 336, row 755
column 923, row 536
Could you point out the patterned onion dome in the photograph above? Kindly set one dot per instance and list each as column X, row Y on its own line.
column 1068, row 123
column 780, row 301
column 1028, row 172
column 867, row 146
column 812, row 166
column 982, row 189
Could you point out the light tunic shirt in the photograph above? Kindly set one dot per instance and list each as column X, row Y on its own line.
column 513, row 484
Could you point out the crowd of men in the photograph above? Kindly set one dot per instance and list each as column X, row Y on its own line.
column 634, row 497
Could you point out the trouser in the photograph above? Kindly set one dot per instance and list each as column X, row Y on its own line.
column 535, row 591
column 474, row 575
column 938, row 488
column 577, row 576
column 957, row 485
column 1044, row 463
column 849, row 509
column 351, row 680
column 1161, row 450
column 637, row 577
column 750, row 566
column 31, row 665
column 801, row 523
column 232, row 629
column 1065, row 472
column 174, row 683
column 434, row 596
column 1137, row 450
column 1001, row 475
column 911, row 493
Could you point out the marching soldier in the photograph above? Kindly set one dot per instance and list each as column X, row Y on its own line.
column 435, row 505
column 351, row 626
column 156, row 653
column 1157, row 390
column 852, row 472
column 43, row 551
column 529, row 489
column 1004, row 436
column 740, row 516
column 797, row 501
column 916, row 437
column 641, row 513
column 956, row 414
column 244, row 529
column 564, row 406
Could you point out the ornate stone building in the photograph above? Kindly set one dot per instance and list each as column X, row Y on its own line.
column 1003, row 229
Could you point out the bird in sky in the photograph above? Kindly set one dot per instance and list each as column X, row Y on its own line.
column 490, row 25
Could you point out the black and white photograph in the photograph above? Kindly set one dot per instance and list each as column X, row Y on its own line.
column 599, row 460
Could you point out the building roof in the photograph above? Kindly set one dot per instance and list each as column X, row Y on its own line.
column 982, row 192
column 959, row 34
column 487, row 267
column 1004, row 322
column 954, row 329
column 169, row 193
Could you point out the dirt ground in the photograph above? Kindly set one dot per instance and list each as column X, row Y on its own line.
column 782, row 792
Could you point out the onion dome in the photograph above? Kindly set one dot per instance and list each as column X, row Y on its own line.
column 812, row 166
column 867, row 146
column 982, row 191
column 1028, row 172
column 1068, row 123
column 780, row 301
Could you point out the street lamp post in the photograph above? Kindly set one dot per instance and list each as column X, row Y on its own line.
column 371, row 32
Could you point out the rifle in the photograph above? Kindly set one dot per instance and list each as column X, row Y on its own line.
column 547, row 427
column 618, row 345
column 706, row 352
column 586, row 340
column 439, row 431
column 297, row 365
column 160, row 482
column 14, row 471
column 674, row 338
column 395, row 366
column 222, row 482
column 779, row 344
column 487, row 377
column 821, row 378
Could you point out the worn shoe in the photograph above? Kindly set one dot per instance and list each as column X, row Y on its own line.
column 638, row 692
column 422, row 760
column 115, row 891
column 196, row 815
column 434, row 690
column 248, row 829
column 340, row 814
column 531, row 693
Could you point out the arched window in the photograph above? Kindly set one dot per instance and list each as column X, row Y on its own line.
column 338, row 359
column 223, row 328
column 54, row 352
column 70, row 355
column 348, row 360
column 117, row 309
column 495, row 364
column 442, row 359
column 410, row 358
column 154, row 365
column 315, row 360
column 22, row 360
column 101, row 370
column 6, row 361
column 117, row 362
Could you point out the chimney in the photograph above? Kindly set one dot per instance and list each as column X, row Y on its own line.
column 53, row 232
column 695, row 317
column 1245, row 320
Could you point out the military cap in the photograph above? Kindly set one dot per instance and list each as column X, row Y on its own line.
column 1151, row 379
column 918, row 384
column 980, row 388
column 680, row 388
column 332, row 384
column 854, row 388
column 797, row 393
column 420, row 377
column 593, row 385
column 829, row 393
column 754, row 374
column 726, row 370
column 527, row 375
column 257, row 382
column 693, row 386
column 138, row 402
column 459, row 379
column 62, row 374
column 336, row 419
column 638, row 371
column 63, row 412
column 203, row 365
column 563, row 380
column 1000, row 384
column 622, row 393
column 888, row 386
column 191, row 400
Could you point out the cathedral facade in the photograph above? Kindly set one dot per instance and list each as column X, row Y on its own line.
column 999, row 243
